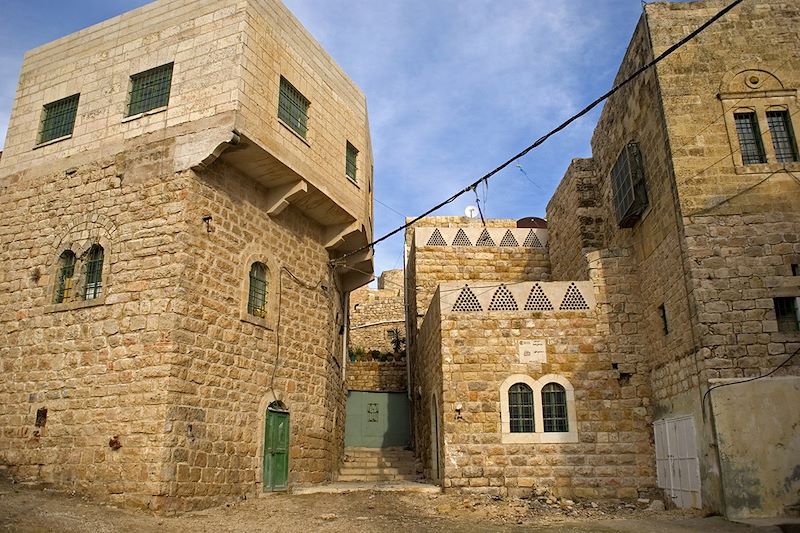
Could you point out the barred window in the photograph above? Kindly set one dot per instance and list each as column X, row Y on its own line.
column 554, row 408
column 786, row 313
column 64, row 276
column 257, row 294
column 628, row 186
column 149, row 89
column 93, row 286
column 520, row 408
column 293, row 108
column 350, row 162
column 58, row 118
column 780, row 127
column 749, row 138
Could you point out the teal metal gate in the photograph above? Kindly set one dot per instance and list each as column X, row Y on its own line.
column 377, row 419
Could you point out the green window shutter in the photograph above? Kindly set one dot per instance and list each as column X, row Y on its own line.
column 293, row 108
column 58, row 118
column 150, row 89
column 351, row 158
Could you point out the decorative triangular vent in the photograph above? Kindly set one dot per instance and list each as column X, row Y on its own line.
column 436, row 239
column 532, row 241
column 485, row 239
column 509, row 240
column 538, row 300
column 461, row 239
column 467, row 301
column 503, row 300
column 573, row 300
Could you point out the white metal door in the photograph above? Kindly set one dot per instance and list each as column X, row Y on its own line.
column 677, row 466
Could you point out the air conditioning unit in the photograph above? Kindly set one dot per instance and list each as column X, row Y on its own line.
column 627, row 182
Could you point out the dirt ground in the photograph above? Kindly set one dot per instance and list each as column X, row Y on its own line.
column 28, row 509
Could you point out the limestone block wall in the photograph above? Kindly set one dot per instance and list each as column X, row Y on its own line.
column 377, row 376
column 103, row 368
column 575, row 221
column 376, row 312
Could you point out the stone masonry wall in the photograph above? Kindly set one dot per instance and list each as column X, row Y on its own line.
column 375, row 312
column 574, row 221
column 377, row 376
column 101, row 368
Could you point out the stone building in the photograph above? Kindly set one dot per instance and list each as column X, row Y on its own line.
column 175, row 182
column 681, row 234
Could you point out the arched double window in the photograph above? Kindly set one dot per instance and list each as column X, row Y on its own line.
column 258, row 290
column 537, row 411
column 88, row 285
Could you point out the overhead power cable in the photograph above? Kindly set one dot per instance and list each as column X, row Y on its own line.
column 541, row 140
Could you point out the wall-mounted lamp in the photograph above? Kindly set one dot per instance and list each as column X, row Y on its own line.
column 207, row 220
column 459, row 408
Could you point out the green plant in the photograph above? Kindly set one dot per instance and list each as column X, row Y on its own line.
column 397, row 339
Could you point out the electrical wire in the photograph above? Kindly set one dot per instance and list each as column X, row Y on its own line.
column 541, row 140
column 703, row 403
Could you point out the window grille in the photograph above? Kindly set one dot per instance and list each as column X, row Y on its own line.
column 93, row 287
column 520, row 408
column 508, row 240
column 749, row 138
column 538, row 300
column 293, row 108
column 573, row 300
column 66, row 271
column 436, row 239
column 467, row 301
column 664, row 323
column 149, row 89
column 554, row 408
column 503, row 300
column 257, row 294
column 58, row 118
column 461, row 239
column 780, row 127
column 786, row 313
column 485, row 239
column 532, row 241
column 350, row 162
column 627, row 181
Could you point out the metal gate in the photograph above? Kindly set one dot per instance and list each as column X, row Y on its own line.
column 677, row 466
column 376, row 419
column 276, row 449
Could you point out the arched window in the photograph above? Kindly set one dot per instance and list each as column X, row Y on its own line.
column 64, row 276
column 257, row 294
column 93, row 268
column 520, row 408
column 554, row 408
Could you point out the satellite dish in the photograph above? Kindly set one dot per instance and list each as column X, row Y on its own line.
column 471, row 211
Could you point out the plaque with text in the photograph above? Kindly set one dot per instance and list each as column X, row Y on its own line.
column 533, row 351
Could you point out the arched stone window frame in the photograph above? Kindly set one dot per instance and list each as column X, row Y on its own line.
column 257, row 254
column 538, row 436
column 79, row 239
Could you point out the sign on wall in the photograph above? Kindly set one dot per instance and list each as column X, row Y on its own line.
column 533, row 351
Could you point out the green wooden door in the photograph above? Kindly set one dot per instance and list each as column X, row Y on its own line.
column 276, row 450
column 376, row 419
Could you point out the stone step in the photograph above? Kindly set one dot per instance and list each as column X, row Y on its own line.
column 377, row 461
column 379, row 465
column 378, row 477
column 406, row 470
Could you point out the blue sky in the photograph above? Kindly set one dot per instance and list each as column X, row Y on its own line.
column 454, row 87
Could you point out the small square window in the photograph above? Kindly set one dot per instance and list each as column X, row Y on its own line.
column 795, row 270
column 58, row 118
column 150, row 89
column 780, row 128
column 749, row 138
column 786, row 314
column 350, row 162
column 293, row 108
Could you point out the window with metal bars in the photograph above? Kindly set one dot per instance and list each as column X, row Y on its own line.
column 780, row 128
column 58, row 118
column 520, row 408
column 149, row 89
column 66, row 271
column 750, row 144
column 93, row 268
column 350, row 162
column 786, row 313
column 554, row 408
column 293, row 108
column 628, row 186
column 257, row 293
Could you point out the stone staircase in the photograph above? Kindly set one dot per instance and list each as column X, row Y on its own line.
column 379, row 464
